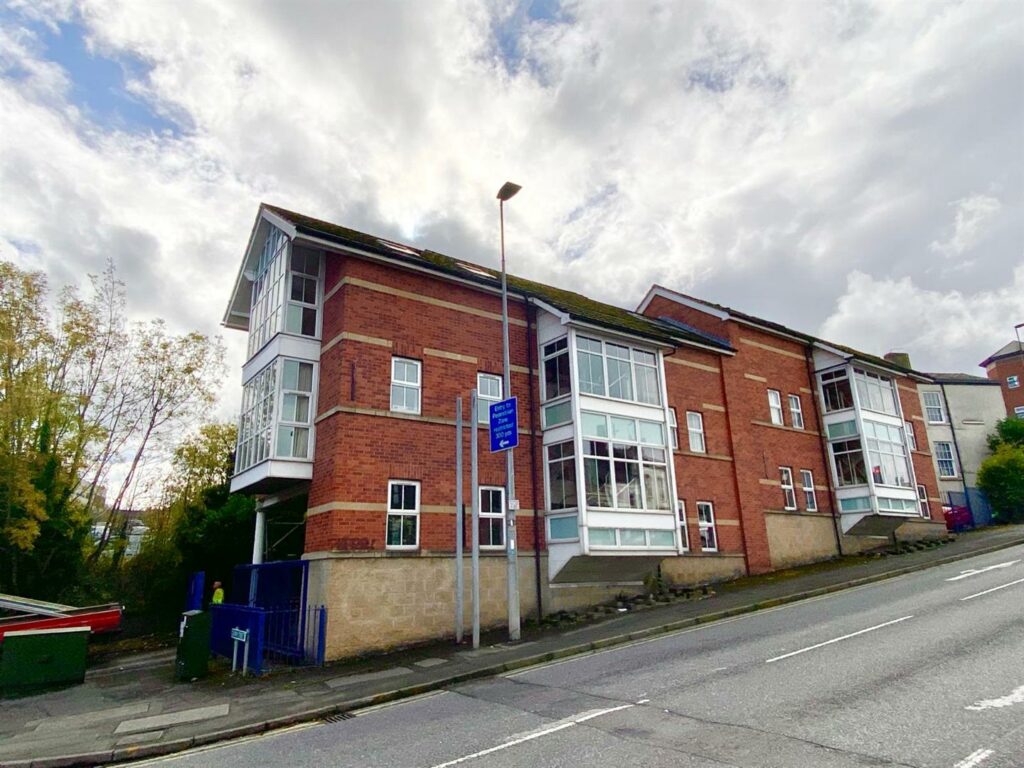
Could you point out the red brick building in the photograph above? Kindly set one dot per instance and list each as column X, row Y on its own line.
column 1007, row 367
column 685, row 436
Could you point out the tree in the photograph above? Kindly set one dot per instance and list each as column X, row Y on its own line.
column 1008, row 432
column 86, row 401
column 1001, row 477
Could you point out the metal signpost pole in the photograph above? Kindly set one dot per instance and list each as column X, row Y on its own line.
column 475, row 520
column 459, row 587
column 506, row 192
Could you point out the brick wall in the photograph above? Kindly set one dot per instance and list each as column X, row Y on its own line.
column 372, row 314
column 999, row 370
column 758, row 448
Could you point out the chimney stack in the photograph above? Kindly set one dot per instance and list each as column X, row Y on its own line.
column 898, row 358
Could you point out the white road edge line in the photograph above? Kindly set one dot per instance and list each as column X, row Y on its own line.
column 582, row 718
column 994, row 589
column 837, row 639
column 975, row 758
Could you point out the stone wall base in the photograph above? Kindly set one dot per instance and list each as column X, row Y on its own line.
column 795, row 539
column 381, row 602
column 689, row 570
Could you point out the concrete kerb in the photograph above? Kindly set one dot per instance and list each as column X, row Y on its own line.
column 385, row 697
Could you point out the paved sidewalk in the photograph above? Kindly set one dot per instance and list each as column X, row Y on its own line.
column 130, row 708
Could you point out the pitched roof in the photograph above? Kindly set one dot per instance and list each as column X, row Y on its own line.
column 805, row 337
column 1013, row 348
column 961, row 378
column 577, row 306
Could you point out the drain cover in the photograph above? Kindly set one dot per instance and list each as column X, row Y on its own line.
column 338, row 717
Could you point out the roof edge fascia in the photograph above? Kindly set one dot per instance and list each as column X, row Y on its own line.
column 678, row 298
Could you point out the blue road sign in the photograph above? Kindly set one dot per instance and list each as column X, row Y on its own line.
column 504, row 425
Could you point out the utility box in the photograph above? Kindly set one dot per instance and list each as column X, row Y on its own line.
column 40, row 658
column 193, row 660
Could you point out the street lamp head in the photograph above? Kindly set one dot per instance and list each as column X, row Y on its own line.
column 508, row 191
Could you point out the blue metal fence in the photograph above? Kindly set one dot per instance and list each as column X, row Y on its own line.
column 269, row 601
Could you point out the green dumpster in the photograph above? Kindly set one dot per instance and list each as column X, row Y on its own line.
column 193, row 646
column 40, row 658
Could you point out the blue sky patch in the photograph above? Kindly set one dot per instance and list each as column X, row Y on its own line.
column 99, row 82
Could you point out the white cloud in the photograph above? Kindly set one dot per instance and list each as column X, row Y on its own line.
column 751, row 152
column 940, row 329
column 972, row 214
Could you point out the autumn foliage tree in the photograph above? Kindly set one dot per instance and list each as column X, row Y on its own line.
column 90, row 407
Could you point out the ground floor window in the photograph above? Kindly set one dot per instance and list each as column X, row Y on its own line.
column 810, row 498
column 403, row 528
column 492, row 518
column 922, row 500
column 788, row 493
column 684, row 534
column 706, row 525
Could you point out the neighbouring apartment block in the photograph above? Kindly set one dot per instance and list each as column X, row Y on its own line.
column 684, row 437
column 960, row 412
column 1007, row 368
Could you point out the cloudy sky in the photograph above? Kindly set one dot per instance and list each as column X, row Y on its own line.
column 848, row 168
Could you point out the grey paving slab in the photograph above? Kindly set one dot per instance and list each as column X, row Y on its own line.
column 173, row 718
column 340, row 682
column 87, row 719
column 428, row 663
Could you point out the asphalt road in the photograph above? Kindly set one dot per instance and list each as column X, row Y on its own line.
column 923, row 670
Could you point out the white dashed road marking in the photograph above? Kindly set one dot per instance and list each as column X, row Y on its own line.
column 560, row 726
column 976, row 571
column 837, row 639
column 974, row 759
column 994, row 589
column 1016, row 697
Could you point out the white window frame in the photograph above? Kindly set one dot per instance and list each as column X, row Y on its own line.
column 788, row 489
column 551, row 351
column 908, row 429
column 301, row 305
column 492, row 516
column 673, row 429
column 483, row 401
column 935, row 406
column 775, row 408
column 416, row 386
column 601, row 450
column 634, row 359
column 1013, row 381
column 684, row 532
column 696, row 433
column 922, row 502
column 807, row 486
column 796, row 414
column 706, row 526
column 1018, row 411
column 951, row 460
column 293, row 424
column 403, row 513
column 563, row 461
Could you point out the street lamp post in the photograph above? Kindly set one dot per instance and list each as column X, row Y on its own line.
column 507, row 191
